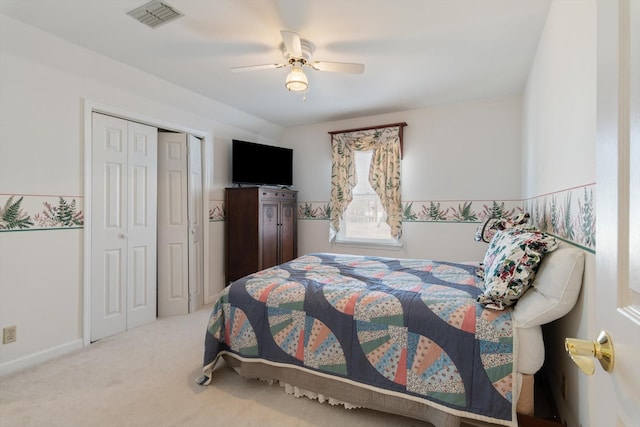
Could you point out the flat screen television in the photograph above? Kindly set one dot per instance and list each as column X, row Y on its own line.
column 260, row 164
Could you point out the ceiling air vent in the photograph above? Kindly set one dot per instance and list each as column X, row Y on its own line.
column 155, row 13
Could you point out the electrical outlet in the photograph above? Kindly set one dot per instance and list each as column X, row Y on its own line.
column 9, row 334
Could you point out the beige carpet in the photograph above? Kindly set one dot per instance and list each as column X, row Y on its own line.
column 145, row 377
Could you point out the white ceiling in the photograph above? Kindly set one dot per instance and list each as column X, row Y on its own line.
column 417, row 53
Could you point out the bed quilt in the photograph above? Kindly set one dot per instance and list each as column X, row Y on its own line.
column 397, row 325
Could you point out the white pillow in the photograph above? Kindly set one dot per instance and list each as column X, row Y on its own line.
column 555, row 288
column 530, row 349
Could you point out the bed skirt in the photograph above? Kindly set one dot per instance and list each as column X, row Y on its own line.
column 335, row 391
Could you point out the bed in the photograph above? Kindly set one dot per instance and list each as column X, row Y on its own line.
column 404, row 336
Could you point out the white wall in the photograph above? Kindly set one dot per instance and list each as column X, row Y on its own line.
column 44, row 83
column 559, row 143
column 560, row 125
column 460, row 152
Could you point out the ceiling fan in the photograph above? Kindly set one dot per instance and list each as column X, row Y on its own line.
column 298, row 53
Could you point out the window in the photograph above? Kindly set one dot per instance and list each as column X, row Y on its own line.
column 364, row 220
column 365, row 185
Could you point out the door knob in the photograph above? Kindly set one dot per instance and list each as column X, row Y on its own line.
column 122, row 235
column 583, row 352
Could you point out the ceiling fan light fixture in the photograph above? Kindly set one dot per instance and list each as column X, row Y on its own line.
column 296, row 80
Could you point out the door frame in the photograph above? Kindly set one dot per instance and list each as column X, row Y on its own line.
column 90, row 107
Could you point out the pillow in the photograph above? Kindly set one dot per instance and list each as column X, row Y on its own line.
column 510, row 265
column 554, row 290
column 487, row 230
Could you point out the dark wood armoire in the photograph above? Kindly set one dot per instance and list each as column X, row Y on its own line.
column 261, row 229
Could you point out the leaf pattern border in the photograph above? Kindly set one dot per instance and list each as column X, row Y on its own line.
column 20, row 212
column 568, row 214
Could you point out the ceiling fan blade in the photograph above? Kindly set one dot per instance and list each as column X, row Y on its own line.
column 292, row 43
column 256, row 67
column 338, row 67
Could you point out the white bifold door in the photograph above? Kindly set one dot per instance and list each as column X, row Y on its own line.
column 180, row 229
column 123, row 225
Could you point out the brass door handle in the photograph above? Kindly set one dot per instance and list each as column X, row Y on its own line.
column 582, row 352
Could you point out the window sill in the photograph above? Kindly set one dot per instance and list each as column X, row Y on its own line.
column 369, row 244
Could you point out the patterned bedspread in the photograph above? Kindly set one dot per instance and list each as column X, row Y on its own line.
column 407, row 326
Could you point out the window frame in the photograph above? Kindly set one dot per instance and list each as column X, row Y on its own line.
column 343, row 173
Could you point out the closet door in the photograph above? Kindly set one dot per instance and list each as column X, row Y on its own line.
column 142, row 224
column 173, row 224
column 180, row 229
column 108, row 231
column 196, row 229
column 123, row 225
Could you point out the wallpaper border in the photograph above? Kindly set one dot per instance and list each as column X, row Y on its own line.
column 567, row 214
column 27, row 212
column 430, row 210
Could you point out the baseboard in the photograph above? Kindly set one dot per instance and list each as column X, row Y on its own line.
column 40, row 357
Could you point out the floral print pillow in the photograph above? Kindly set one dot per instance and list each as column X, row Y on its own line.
column 486, row 230
column 510, row 265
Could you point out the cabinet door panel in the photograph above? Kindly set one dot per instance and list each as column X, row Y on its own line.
column 269, row 234
column 288, row 232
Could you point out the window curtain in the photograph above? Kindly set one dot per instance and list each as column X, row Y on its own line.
column 384, row 173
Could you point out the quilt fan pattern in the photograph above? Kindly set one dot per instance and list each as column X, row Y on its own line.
column 399, row 325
